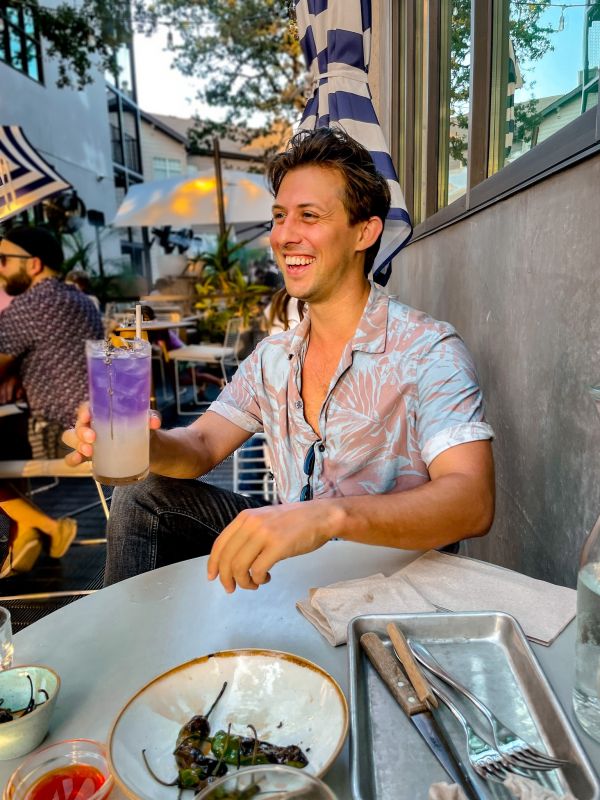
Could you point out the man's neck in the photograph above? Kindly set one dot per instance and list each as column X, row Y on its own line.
column 44, row 275
column 337, row 319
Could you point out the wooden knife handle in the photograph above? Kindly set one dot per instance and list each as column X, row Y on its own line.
column 413, row 670
column 391, row 674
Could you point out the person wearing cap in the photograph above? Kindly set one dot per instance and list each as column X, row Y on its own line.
column 371, row 410
column 42, row 349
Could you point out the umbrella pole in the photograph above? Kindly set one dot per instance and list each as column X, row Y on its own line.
column 219, row 176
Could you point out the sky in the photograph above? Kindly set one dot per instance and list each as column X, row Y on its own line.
column 160, row 89
column 558, row 71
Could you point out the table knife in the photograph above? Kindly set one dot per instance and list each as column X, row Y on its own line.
column 418, row 711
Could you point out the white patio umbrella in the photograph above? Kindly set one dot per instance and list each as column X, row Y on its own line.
column 335, row 36
column 25, row 177
column 193, row 200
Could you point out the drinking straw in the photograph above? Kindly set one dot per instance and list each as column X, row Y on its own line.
column 102, row 499
column 138, row 320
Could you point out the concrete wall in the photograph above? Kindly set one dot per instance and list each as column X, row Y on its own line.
column 520, row 282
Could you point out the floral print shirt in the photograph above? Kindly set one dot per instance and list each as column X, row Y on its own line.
column 404, row 391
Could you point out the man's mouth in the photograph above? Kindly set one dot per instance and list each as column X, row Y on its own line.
column 298, row 263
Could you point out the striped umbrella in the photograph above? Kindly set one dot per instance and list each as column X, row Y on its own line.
column 25, row 177
column 335, row 36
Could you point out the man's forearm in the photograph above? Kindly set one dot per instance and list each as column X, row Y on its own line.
column 432, row 515
column 6, row 362
column 179, row 453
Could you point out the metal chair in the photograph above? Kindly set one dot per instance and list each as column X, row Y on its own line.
column 252, row 474
column 225, row 355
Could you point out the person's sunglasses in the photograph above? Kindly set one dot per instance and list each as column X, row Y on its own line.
column 5, row 256
column 309, row 465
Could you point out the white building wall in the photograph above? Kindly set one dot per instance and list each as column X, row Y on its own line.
column 156, row 144
column 70, row 129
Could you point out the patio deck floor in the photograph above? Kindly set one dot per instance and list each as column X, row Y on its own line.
column 33, row 595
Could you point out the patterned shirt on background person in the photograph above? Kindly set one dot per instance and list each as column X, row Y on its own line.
column 405, row 390
column 45, row 329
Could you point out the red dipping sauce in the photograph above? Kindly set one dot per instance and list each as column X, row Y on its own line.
column 72, row 782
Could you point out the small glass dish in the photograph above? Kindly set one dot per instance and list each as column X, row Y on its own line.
column 92, row 781
column 274, row 780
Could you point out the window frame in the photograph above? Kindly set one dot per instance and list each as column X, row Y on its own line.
column 25, row 39
column 576, row 141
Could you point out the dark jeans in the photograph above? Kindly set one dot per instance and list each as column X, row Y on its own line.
column 160, row 521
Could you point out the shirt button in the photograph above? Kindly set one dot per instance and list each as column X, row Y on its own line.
column 298, row 403
column 321, row 448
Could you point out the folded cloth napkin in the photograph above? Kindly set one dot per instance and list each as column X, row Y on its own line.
column 437, row 581
column 520, row 788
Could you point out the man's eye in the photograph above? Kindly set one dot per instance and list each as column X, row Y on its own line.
column 278, row 216
column 309, row 215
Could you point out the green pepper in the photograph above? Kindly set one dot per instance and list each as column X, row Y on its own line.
column 246, row 751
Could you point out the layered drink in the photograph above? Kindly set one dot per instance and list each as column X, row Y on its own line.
column 119, row 383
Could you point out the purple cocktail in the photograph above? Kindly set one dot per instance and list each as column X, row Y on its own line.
column 119, row 382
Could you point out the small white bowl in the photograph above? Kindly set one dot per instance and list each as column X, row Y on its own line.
column 23, row 734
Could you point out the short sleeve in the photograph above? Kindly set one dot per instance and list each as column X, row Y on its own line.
column 450, row 403
column 238, row 402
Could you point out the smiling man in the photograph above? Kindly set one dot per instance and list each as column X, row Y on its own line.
column 371, row 410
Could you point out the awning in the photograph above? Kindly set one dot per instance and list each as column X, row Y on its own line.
column 193, row 201
column 335, row 36
column 25, row 177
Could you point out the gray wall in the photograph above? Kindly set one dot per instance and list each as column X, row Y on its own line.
column 519, row 281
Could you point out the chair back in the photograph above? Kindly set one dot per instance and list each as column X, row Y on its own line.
column 232, row 341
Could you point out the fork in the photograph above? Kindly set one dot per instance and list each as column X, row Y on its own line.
column 513, row 748
column 486, row 761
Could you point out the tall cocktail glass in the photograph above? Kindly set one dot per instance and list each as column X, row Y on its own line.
column 119, row 382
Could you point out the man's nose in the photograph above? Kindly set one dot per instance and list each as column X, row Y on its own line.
column 287, row 230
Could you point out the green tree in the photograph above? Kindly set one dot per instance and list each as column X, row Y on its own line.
column 246, row 47
column 531, row 41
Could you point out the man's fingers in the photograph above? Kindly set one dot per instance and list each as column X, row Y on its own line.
column 239, row 564
column 74, row 459
column 212, row 569
column 154, row 421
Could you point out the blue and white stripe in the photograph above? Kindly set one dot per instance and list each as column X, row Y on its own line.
column 335, row 36
column 25, row 177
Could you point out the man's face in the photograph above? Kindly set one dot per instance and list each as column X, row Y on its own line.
column 14, row 273
column 314, row 244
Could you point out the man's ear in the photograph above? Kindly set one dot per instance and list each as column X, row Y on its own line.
column 370, row 231
column 35, row 266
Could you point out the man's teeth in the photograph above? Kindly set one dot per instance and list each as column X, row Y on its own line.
column 298, row 261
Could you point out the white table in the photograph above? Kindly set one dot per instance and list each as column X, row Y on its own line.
column 107, row 645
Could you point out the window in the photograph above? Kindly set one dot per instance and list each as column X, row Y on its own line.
column 490, row 96
column 455, row 76
column 19, row 41
column 165, row 167
column 552, row 77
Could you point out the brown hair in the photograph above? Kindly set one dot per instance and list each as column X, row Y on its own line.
column 367, row 193
column 278, row 311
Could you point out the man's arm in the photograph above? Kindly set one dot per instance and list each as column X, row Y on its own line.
column 8, row 382
column 458, row 503
column 6, row 363
column 195, row 450
column 178, row 453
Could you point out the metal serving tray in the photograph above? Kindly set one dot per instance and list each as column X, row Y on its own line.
column 489, row 654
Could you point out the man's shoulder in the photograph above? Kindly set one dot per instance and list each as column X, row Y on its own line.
column 413, row 325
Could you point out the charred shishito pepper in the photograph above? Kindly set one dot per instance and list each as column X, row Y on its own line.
column 195, row 768
column 245, row 751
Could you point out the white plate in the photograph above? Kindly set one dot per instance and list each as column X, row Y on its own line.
column 288, row 699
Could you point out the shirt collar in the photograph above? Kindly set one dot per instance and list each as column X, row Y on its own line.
column 371, row 334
